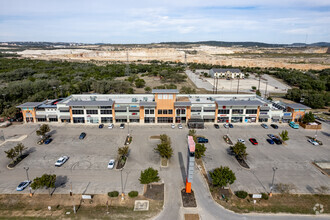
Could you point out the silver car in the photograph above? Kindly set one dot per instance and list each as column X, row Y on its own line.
column 61, row 161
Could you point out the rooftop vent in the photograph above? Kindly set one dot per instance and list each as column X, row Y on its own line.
column 197, row 99
column 145, row 99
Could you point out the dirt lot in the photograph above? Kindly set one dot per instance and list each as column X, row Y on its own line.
column 37, row 207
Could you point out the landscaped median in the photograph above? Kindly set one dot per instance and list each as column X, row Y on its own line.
column 283, row 202
column 61, row 206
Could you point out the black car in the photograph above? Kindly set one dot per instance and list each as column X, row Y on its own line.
column 216, row 126
column 82, row 135
column 277, row 141
column 231, row 125
column 101, row 125
column 202, row 140
column 274, row 126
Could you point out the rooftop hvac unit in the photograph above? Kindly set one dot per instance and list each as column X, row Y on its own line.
column 145, row 99
column 197, row 99
column 134, row 100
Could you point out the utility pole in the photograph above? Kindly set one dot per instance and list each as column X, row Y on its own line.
column 238, row 85
column 266, row 89
column 27, row 176
column 214, row 84
column 71, row 194
column 217, row 85
column 122, row 187
column 54, row 87
column 259, row 81
column 271, row 188
column 127, row 70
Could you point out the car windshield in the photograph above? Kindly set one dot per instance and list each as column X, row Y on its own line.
column 111, row 163
column 60, row 160
column 21, row 184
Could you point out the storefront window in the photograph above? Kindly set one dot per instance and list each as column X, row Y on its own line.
column 236, row 119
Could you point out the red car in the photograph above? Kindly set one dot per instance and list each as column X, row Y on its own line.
column 253, row 141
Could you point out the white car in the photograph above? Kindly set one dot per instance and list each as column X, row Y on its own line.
column 61, row 161
column 180, row 126
column 313, row 142
column 110, row 126
column 111, row 164
column 241, row 140
column 173, row 126
column 23, row 185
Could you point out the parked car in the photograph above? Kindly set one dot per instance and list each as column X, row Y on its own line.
column 23, row 185
column 293, row 125
column 253, row 141
column 111, row 164
column 173, row 126
column 82, row 135
column 271, row 136
column 61, row 161
column 122, row 126
column 264, row 126
column 180, row 126
column 313, row 142
column 48, row 141
column 274, row 126
column 226, row 125
column 101, row 125
column 241, row 140
column 202, row 140
column 216, row 126
column 110, row 126
column 231, row 125
column 270, row 141
column 277, row 141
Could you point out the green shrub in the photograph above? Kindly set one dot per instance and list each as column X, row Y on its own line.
column 264, row 196
column 241, row 194
column 113, row 194
column 133, row 194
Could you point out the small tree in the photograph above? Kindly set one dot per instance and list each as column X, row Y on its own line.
column 284, row 135
column 140, row 83
column 254, row 87
column 222, row 176
column 149, row 175
column 43, row 130
column 308, row 117
column 20, row 148
column 123, row 151
column 199, row 150
column 165, row 139
column 192, row 132
column 165, row 150
column 258, row 92
column 11, row 154
column 46, row 180
column 147, row 89
column 239, row 149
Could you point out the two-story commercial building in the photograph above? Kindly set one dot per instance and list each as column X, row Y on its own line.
column 162, row 106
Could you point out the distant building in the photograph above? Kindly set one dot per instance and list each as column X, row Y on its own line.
column 226, row 73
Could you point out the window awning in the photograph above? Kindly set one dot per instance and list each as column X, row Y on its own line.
column 64, row 109
column 286, row 117
column 263, row 108
column 134, row 108
column 209, row 108
column 121, row 117
column 134, row 117
column 52, row 116
column 120, row 108
column 276, row 117
column 195, row 117
column 208, row 117
column 65, row 117
column 263, row 116
column 196, row 108
column 40, row 116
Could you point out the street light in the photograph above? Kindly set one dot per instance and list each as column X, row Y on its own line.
column 27, row 176
column 122, row 187
column 274, row 170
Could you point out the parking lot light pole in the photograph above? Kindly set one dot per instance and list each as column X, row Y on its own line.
column 122, row 187
column 27, row 176
column 271, row 188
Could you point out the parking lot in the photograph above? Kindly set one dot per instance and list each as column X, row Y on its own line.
column 87, row 167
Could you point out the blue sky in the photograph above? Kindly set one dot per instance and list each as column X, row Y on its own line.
column 153, row 21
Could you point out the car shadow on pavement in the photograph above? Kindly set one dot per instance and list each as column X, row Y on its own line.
column 182, row 168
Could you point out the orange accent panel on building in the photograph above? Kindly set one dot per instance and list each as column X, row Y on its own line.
column 216, row 112
column 113, row 113
column 188, row 115
column 141, row 113
column 258, row 112
column 71, row 116
column 165, row 104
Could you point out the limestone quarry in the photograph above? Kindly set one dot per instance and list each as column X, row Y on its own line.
column 298, row 58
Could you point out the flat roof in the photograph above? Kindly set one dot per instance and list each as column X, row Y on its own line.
column 89, row 103
column 239, row 103
column 165, row 91
column 221, row 70
column 297, row 106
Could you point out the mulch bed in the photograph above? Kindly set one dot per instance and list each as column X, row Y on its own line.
column 242, row 162
column 191, row 217
column 188, row 199
column 155, row 192
column 120, row 165
column 17, row 161
column 227, row 140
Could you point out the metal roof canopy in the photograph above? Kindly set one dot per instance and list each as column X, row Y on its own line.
column 89, row 103
column 182, row 104
column 165, row 91
column 148, row 104
column 297, row 106
column 30, row 104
